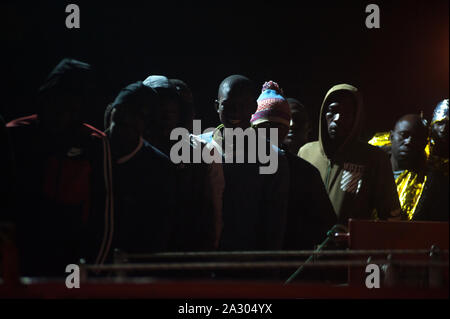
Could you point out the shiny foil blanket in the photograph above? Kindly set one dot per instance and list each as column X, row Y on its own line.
column 409, row 184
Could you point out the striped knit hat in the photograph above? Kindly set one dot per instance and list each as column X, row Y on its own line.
column 272, row 106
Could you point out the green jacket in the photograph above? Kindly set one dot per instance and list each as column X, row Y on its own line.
column 358, row 177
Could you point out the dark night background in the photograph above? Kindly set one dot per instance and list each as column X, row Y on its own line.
column 307, row 47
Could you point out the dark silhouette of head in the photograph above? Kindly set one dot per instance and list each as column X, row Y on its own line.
column 64, row 97
column 236, row 101
column 300, row 127
column 127, row 116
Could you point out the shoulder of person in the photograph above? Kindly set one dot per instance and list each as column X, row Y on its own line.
column 301, row 165
column 23, row 123
column 94, row 141
column 309, row 148
column 22, row 133
column 89, row 131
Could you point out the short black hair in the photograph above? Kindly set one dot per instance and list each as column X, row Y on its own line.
column 133, row 99
column 187, row 109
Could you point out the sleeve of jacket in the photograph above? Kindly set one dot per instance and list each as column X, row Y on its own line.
column 325, row 215
column 275, row 206
column 216, row 182
column 385, row 199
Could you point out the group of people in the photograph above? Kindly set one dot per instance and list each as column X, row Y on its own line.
column 74, row 191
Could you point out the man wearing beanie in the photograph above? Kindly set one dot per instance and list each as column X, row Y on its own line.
column 357, row 176
column 310, row 213
column 254, row 204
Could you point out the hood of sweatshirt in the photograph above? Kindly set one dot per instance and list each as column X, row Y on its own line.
column 70, row 79
column 324, row 139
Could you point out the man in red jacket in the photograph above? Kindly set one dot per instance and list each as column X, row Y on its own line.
column 62, row 199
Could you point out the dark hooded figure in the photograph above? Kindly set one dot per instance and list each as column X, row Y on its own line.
column 357, row 176
column 63, row 186
column 439, row 137
column 435, row 204
column 143, row 176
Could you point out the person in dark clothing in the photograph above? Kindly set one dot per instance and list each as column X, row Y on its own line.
column 299, row 128
column 62, row 190
column 196, row 216
column 143, row 176
column 310, row 212
column 434, row 203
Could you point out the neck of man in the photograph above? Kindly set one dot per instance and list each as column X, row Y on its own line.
column 411, row 165
column 60, row 141
column 333, row 147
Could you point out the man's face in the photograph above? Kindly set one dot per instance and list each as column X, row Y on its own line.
column 170, row 115
column 62, row 119
column 127, row 125
column 235, row 107
column 298, row 131
column 282, row 130
column 408, row 141
column 439, row 131
column 340, row 115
